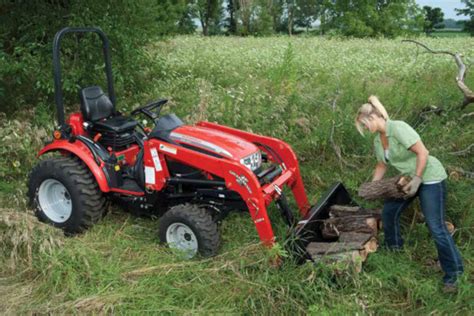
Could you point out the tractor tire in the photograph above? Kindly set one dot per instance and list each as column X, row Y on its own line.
column 190, row 229
column 64, row 193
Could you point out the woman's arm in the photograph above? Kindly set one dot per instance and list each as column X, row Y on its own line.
column 379, row 171
column 421, row 157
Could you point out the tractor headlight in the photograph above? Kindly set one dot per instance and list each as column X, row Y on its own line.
column 253, row 161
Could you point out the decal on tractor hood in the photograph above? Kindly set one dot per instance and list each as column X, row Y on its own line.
column 170, row 150
column 200, row 143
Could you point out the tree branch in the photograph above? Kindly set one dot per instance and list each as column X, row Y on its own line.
column 468, row 94
column 462, row 152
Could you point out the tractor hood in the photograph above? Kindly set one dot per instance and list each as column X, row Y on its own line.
column 214, row 141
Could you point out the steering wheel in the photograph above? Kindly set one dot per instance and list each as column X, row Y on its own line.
column 148, row 109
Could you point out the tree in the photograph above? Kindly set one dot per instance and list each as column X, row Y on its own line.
column 365, row 18
column 469, row 11
column 262, row 18
column 306, row 12
column 232, row 8
column 209, row 13
column 325, row 12
column 245, row 15
column 433, row 19
column 185, row 23
column 452, row 24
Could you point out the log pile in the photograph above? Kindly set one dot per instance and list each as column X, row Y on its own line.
column 349, row 235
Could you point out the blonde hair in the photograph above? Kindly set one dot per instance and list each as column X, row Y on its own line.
column 374, row 107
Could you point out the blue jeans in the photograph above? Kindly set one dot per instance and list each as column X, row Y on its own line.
column 433, row 200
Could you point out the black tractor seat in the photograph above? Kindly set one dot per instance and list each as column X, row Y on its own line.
column 101, row 117
column 117, row 124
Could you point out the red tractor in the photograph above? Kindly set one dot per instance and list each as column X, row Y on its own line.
column 190, row 176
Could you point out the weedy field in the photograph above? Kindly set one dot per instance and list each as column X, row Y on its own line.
column 302, row 90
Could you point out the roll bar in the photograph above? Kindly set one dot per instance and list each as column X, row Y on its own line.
column 58, row 91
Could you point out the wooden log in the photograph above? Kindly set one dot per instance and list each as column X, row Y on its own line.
column 344, row 210
column 350, row 251
column 361, row 238
column 315, row 249
column 370, row 246
column 383, row 189
column 329, row 231
column 359, row 224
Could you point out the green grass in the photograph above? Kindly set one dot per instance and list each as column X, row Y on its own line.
column 295, row 89
column 450, row 33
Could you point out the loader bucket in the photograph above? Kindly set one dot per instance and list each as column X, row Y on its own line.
column 308, row 229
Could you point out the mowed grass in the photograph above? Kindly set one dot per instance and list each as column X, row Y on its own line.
column 302, row 90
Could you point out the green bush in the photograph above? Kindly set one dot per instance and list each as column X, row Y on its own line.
column 26, row 42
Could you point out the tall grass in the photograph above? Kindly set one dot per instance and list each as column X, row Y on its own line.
column 304, row 91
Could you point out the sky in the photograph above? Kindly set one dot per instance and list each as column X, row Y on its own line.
column 447, row 6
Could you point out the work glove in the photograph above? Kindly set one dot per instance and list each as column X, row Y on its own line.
column 412, row 187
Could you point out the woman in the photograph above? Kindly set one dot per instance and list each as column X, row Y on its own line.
column 399, row 145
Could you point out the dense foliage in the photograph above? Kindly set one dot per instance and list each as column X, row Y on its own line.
column 302, row 90
column 433, row 19
column 28, row 28
column 469, row 11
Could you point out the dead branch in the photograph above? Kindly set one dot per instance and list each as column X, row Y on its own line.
column 468, row 94
column 456, row 172
column 462, row 152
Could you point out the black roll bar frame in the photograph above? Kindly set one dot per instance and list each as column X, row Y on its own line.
column 58, row 91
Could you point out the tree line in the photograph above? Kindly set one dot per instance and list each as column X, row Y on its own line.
column 363, row 18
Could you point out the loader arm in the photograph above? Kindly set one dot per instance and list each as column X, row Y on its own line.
column 281, row 153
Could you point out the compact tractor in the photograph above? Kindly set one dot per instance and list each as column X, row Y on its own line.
column 191, row 176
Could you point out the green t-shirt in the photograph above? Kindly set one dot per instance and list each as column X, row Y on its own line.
column 401, row 137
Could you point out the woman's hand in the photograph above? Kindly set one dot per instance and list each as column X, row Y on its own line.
column 412, row 187
column 379, row 171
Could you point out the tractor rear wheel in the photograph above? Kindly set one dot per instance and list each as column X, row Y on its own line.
column 64, row 193
column 190, row 229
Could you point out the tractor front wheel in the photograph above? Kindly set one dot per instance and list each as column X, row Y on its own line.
column 189, row 229
column 64, row 193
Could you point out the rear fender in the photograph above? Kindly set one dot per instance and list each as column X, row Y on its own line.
column 82, row 152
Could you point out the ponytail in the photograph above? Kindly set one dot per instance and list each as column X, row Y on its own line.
column 374, row 107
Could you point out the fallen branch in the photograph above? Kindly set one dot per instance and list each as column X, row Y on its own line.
column 468, row 94
column 462, row 152
column 456, row 172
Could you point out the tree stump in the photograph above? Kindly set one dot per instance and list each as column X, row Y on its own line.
column 383, row 189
